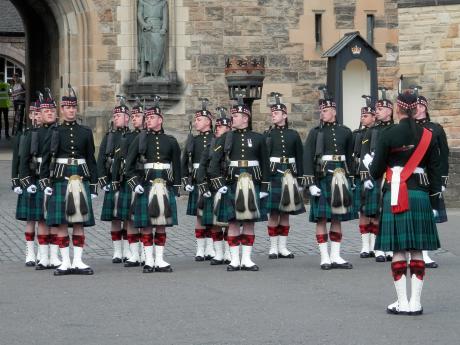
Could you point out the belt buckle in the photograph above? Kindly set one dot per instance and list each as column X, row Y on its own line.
column 72, row 161
column 336, row 158
column 284, row 160
column 243, row 164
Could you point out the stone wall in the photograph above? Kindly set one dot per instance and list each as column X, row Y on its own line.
column 452, row 193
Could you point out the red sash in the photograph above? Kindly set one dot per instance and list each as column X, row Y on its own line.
column 411, row 165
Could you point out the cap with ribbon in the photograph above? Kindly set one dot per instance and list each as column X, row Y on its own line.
column 69, row 100
column 47, row 101
column 223, row 119
column 368, row 109
column 204, row 109
column 121, row 108
column 383, row 101
column 138, row 107
column 275, row 104
column 155, row 109
column 327, row 101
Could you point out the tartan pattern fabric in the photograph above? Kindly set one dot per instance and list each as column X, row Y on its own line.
column 21, row 207
column 371, row 199
column 192, row 202
column 320, row 206
column 274, row 197
column 442, row 214
column 208, row 211
column 414, row 229
column 357, row 198
column 108, row 206
column 34, row 204
column 124, row 201
column 141, row 217
column 55, row 204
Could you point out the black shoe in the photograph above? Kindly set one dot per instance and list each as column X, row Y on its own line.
column 125, row 259
column 53, row 267
column 142, row 263
column 394, row 311
column 227, row 262
column 326, row 267
column 166, row 269
column 273, row 256
column 380, row 258
column 253, row 268
column 132, row 264
column 389, row 257
column 88, row 271
column 432, row 265
column 30, row 264
column 289, row 256
column 418, row 312
column 215, row 262
column 58, row 272
column 117, row 260
column 231, row 268
column 345, row 265
column 208, row 257
column 364, row 255
column 148, row 269
column 41, row 267
column 372, row 254
column 199, row 258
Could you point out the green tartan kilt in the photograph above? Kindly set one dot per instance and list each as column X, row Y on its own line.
column 21, row 207
column 414, row 229
column 124, row 202
column 208, row 211
column 55, row 203
column 34, row 204
column 141, row 217
column 274, row 198
column 442, row 214
column 357, row 198
column 192, row 202
column 108, row 206
column 371, row 200
column 320, row 206
column 226, row 212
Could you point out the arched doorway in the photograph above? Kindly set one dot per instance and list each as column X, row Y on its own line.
column 356, row 80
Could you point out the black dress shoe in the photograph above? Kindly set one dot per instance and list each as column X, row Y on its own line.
column 389, row 257
column 53, row 267
column 208, row 257
column 253, row 268
column 30, row 264
column 148, row 269
column 199, row 258
column 117, row 260
column 41, row 267
column 372, row 254
column 273, row 256
column 326, row 267
column 215, row 262
column 88, row 271
column 132, row 264
column 58, row 272
column 227, row 262
column 364, row 255
column 289, row 256
column 345, row 265
column 380, row 258
column 142, row 263
column 166, row 269
column 432, row 265
column 231, row 268
column 417, row 312
column 125, row 259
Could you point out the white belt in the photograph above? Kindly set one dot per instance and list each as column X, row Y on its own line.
column 284, row 160
column 335, row 158
column 196, row 165
column 244, row 164
column 71, row 161
column 396, row 181
column 157, row 166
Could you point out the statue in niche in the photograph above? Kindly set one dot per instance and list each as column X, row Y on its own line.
column 152, row 17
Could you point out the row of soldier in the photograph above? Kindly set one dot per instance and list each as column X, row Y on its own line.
column 235, row 177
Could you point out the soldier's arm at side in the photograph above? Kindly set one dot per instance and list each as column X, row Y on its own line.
column 379, row 163
column 101, row 173
column 91, row 162
column 214, row 170
column 299, row 155
column 24, row 171
column 176, row 166
column 349, row 150
column 15, row 163
column 444, row 155
column 309, row 158
column 264, row 166
column 131, row 159
column 433, row 170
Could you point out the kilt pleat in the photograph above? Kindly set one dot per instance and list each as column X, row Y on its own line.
column 34, row 203
column 442, row 213
column 108, row 207
column 414, row 229
column 207, row 218
column 124, row 202
column 192, row 202
column 357, row 198
column 371, row 200
column 21, row 207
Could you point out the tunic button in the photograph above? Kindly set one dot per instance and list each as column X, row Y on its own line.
column 71, row 134
column 73, row 152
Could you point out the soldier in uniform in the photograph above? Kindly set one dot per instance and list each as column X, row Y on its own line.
column 153, row 173
column 69, row 179
column 327, row 153
column 190, row 163
column 408, row 155
column 124, row 204
column 422, row 117
column 109, row 146
column 22, row 207
column 212, row 202
column 245, row 181
column 286, row 166
column 32, row 151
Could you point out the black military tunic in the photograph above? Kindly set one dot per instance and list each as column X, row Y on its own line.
column 21, row 206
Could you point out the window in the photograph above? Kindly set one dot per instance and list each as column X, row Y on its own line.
column 370, row 28
column 318, row 30
column 9, row 68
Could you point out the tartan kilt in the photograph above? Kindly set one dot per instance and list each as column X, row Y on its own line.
column 226, row 212
column 192, row 202
column 357, row 198
column 141, row 217
column 125, row 196
column 371, row 199
column 442, row 213
column 55, row 203
column 320, row 206
column 21, row 207
column 208, row 211
column 414, row 229
column 274, row 197
column 34, row 204
column 108, row 206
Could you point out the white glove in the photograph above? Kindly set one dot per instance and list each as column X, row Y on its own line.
column 314, row 190
column 93, row 196
column 263, row 195
column 223, row 190
column 139, row 189
column 207, row 194
column 435, row 213
column 48, row 191
column 32, row 189
column 442, row 189
column 367, row 160
column 368, row 184
column 106, row 188
column 300, row 189
column 17, row 190
column 189, row 188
